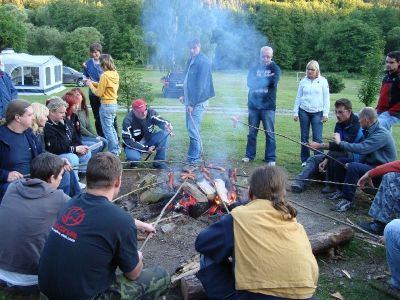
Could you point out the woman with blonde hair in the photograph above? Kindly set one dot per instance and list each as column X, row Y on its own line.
column 107, row 90
column 311, row 106
column 230, row 247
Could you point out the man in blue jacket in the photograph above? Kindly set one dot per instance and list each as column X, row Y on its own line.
column 197, row 89
column 7, row 90
column 262, row 81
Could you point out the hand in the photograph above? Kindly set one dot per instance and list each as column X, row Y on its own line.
column 84, row 65
column 82, row 149
column 98, row 138
column 322, row 166
column 296, row 118
column 324, row 119
column 151, row 149
column 181, row 99
column 87, row 82
column 189, row 109
column 14, row 175
column 365, row 179
column 314, row 145
column 67, row 166
column 336, row 138
column 145, row 227
column 381, row 240
column 169, row 128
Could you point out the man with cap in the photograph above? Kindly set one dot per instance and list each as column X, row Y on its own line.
column 139, row 134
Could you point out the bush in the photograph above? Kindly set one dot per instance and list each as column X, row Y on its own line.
column 336, row 83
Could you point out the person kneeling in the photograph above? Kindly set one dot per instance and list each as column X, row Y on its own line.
column 27, row 212
column 230, row 248
column 139, row 136
column 91, row 238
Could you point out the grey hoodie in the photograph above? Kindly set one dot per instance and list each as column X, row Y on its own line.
column 27, row 212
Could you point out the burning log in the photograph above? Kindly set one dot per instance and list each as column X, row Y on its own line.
column 221, row 190
column 207, row 189
column 192, row 190
column 322, row 241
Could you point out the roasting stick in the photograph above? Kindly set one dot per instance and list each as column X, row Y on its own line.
column 162, row 213
column 136, row 190
column 236, row 120
column 157, row 148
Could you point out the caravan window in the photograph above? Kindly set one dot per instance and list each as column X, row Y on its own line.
column 16, row 76
column 57, row 73
column 31, row 76
column 48, row 76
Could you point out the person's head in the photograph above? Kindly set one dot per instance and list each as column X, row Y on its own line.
column 367, row 116
column 269, row 183
column 107, row 63
column 40, row 114
column 392, row 61
column 81, row 96
column 95, row 50
column 312, row 69
column 47, row 167
column 19, row 114
column 104, row 172
column 57, row 108
column 266, row 54
column 343, row 110
column 194, row 47
column 139, row 107
column 73, row 100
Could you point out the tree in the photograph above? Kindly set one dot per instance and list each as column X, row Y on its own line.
column 393, row 40
column 46, row 40
column 12, row 32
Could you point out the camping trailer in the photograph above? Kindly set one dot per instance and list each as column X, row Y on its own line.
column 33, row 74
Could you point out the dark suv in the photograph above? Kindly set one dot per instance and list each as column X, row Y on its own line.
column 173, row 84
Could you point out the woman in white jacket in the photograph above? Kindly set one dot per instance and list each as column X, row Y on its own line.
column 311, row 106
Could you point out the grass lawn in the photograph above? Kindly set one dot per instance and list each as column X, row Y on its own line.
column 225, row 146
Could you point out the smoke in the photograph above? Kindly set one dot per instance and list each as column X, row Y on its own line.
column 227, row 36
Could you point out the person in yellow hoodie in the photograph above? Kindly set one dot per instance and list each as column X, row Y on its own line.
column 107, row 90
column 259, row 251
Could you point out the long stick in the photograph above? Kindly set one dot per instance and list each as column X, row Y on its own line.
column 162, row 213
column 136, row 190
column 156, row 148
column 234, row 119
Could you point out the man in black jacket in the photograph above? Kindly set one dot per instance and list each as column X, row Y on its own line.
column 139, row 135
column 197, row 89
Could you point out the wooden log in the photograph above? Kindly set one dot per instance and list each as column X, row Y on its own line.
column 192, row 289
column 191, row 189
column 322, row 241
column 207, row 189
column 221, row 190
column 154, row 195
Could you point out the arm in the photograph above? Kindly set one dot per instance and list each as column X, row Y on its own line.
column 13, row 90
column 298, row 98
column 127, row 137
column 135, row 273
column 326, row 98
column 393, row 166
column 159, row 121
column 54, row 143
column 367, row 146
column 98, row 88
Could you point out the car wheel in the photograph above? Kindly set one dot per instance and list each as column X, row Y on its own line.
column 80, row 82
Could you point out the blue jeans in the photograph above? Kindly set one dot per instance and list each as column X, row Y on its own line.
column 267, row 117
column 193, row 126
column 387, row 120
column 354, row 172
column 306, row 120
column 76, row 160
column 158, row 139
column 392, row 245
column 89, row 141
column 69, row 184
column 108, row 113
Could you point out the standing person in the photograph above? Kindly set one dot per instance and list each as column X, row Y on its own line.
column 392, row 245
column 287, row 268
column 198, row 88
column 311, row 107
column 7, row 90
column 91, row 238
column 107, row 90
column 139, row 134
column 28, row 211
column 388, row 107
column 262, row 81
column 93, row 71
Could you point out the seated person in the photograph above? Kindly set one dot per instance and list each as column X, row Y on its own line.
column 376, row 148
column 78, row 113
column 349, row 128
column 60, row 137
column 18, row 146
column 91, row 238
column 139, row 135
column 387, row 200
column 28, row 211
column 392, row 245
column 287, row 268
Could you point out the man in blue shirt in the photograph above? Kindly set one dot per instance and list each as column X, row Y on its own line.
column 7, row 90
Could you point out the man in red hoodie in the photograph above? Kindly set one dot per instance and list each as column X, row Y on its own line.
column 388, row 107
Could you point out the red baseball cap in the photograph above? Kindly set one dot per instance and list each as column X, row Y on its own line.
column 139, row 105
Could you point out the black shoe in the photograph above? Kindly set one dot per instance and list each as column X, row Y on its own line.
column 328, row 189
column 297, row 187
column 374, row 227
column 334, row 196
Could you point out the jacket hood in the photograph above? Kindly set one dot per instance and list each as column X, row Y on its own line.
column 112, row 76
column 33, row 188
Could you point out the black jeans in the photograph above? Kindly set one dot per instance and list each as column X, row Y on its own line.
column 95, row 105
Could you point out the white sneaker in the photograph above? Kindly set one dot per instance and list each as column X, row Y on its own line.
column 271, row 163
column 82, row 185
column 303, row 164
column 245, row 159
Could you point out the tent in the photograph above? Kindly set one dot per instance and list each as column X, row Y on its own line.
column 33, row 74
